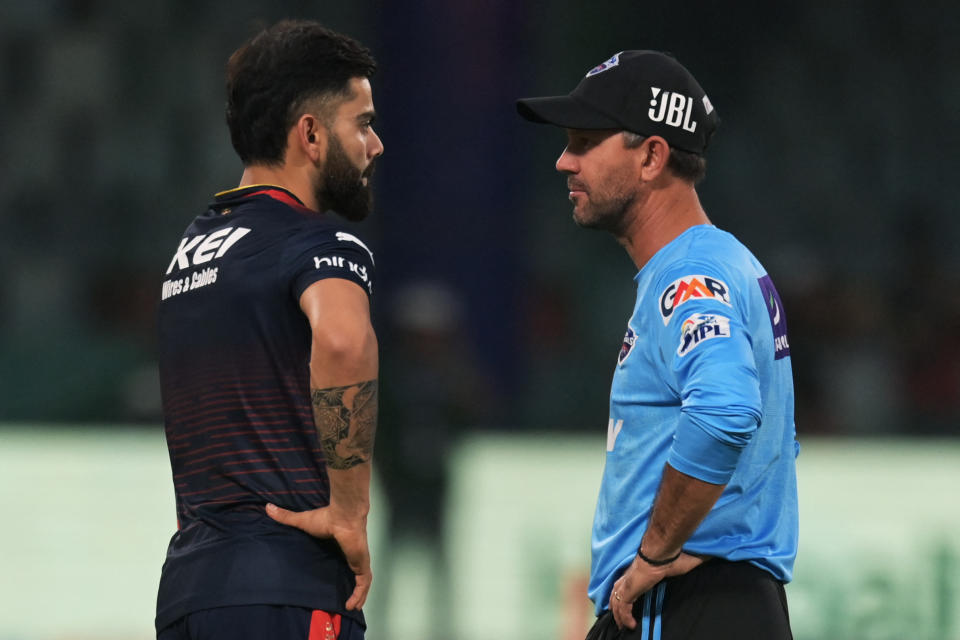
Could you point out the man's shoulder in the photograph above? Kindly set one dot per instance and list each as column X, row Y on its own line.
column 709, row 249
column 330, row 234
column 705, row 263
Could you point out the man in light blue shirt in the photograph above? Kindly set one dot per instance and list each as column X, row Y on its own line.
column 695, row 530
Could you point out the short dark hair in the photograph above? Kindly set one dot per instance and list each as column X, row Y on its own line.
column 691, row 167
column 279, row 72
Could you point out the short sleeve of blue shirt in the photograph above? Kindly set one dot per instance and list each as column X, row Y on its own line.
column 326, row 252
column 705, row 343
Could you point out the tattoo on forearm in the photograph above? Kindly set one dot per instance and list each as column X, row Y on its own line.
column 346, row 421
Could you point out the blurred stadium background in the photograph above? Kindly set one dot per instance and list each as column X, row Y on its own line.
column 499, row 320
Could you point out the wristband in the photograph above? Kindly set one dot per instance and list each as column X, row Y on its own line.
column 656, row 563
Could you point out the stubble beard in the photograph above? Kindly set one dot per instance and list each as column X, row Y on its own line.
column 341, row 186
column 606, row 215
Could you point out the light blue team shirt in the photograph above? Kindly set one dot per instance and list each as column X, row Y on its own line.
column 703, row 381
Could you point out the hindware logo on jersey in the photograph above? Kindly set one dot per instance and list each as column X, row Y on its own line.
column 691, row 288
column 701, row 327
column 340, row 262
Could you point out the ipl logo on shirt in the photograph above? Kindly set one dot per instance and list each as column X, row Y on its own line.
column 701, row 327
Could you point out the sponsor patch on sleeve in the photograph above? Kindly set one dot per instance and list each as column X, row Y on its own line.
column 339, row 262
column 688, row 288
column 699, row 328
column 778, row 320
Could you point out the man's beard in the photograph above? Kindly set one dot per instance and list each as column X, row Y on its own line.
column 342, row 189
column 605, row 206
column 607, row 216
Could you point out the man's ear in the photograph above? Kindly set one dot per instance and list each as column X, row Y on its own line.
column 310, row 135
column 652, row 157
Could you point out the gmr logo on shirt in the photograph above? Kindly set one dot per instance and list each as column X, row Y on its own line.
column 689, row 288
column 675, row 109
column 206, row 247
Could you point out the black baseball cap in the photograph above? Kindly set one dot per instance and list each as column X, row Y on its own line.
column 646, row 92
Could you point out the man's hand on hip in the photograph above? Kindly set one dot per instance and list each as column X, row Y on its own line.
column 639, row 578
column 349, row 533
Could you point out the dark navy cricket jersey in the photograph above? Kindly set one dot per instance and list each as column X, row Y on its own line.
column 234, row 371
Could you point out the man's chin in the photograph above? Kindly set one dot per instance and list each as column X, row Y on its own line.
column 592, row 222
column 583, row 220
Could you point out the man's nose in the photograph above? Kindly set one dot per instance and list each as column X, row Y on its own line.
column 376, row 149
column 567, row 163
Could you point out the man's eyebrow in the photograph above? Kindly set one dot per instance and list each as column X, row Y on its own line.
column 368, row 116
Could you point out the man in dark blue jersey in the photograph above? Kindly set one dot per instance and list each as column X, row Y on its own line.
column 268, row 359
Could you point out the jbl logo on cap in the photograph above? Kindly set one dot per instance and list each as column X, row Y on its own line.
column 674, row 109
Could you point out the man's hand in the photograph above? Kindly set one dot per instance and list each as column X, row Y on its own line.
column 349, row 533
column 639, row 578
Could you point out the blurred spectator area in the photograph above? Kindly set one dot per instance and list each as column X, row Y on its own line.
column 834, row 163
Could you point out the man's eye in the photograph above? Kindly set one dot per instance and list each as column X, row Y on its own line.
column 582, row 144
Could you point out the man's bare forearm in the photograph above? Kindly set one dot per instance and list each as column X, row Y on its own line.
column 346, row 421
column 681, row 505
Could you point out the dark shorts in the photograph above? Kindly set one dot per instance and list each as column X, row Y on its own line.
column 256, row 622
column 718, row 600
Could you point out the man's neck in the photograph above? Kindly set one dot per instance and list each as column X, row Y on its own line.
column 659, row 219
column 296, row 183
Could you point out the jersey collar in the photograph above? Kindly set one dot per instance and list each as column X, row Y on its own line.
column 234, row 196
